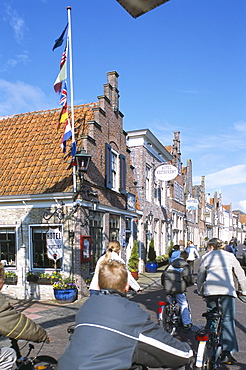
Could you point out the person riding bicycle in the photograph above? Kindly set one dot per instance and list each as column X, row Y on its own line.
column 113, row 332
column 219, row 278
column 14, row 324
column 113, row 251
column 175, row 279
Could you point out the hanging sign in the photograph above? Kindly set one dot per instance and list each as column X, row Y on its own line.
column 54, row 244
column 191, row 204
column 166, row 172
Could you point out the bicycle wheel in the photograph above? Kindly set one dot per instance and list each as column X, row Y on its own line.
column 167, row 322
column 45, row 363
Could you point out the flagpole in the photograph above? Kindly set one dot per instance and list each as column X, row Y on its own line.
column 71, row 86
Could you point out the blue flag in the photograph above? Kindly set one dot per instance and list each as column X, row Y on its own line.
column 59, row 41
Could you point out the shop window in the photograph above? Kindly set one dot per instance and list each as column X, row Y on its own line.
column 39, row 249
column 8, row 246
column 114, row 228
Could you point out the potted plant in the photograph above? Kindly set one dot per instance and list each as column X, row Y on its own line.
column 10, row 278
column 44, row 278
column 134, row 260
column 65, row 290
column 151, row 264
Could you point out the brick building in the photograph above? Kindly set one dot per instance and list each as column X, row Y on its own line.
column 40, row 191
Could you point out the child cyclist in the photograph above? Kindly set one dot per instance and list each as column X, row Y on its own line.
column 175, row 279
column 113, row 332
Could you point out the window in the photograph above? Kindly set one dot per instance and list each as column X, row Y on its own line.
column 39, row 249
column 114, row 227
column 147, row 183
column 176, row 190
column 181, row 193
column 8, row 246
column 115, row 168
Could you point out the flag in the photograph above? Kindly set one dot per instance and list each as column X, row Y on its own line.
column 59, row 41
column 63, row 72
column 63, row 116
column 74, row 148
column 67, row 134
column 63, row 99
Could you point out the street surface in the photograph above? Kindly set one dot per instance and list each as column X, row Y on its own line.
column 55, row 318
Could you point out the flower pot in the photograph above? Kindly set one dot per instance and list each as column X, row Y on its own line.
column 134, row 274
column 65, row 295
column 10, row 280
column 151, row 266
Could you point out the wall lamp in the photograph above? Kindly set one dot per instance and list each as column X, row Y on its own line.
column 58, row 211
column 82, row 161
column 150, row 217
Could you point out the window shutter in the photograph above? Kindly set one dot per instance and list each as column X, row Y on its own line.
column 122, row 174
column 108, row 164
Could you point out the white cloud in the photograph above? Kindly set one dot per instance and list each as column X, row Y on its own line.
column 16, row 22
column 242, row 204
column 20, row 97
column 229, row 176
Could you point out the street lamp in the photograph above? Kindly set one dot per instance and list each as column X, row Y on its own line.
column 82, row 161
column 139, row 7
column 150, row 217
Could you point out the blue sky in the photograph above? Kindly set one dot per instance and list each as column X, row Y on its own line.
column 182, row 67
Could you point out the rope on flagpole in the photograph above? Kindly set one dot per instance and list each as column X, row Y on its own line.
column 71, row 86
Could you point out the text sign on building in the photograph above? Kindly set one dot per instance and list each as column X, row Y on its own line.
column 166, row 172
column 192, row 204
column 54, row 244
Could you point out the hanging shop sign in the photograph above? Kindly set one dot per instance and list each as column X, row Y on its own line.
column 166, row 172
column 191, row 204
column 54, row 244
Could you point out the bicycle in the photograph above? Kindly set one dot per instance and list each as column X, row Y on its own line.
column 41, row 362
column 209, row 347
column 169, row 317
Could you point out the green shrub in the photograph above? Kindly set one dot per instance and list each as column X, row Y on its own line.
column 134, row 257
column 151, row 252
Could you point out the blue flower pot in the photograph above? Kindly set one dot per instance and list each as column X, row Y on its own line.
column 65, row 295
column 151, row 266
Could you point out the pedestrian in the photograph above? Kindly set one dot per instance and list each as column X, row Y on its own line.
column 112, row 253
column 175, row 253
column 14, row 324
column 114, row 333
column 176, row 277
column 219, row 277
column 233, row 245
column 193, row 255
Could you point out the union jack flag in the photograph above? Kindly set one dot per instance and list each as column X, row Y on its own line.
column 63, row 99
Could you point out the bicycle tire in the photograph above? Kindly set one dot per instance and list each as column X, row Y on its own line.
column 45, row 363
column 167, row 323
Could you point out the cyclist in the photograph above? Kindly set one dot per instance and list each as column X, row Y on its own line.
column 175, row 279
column 112, row 253
column 14, row 324
column 113, row 332
column 216, row 277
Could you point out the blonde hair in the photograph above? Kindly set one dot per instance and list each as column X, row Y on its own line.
column 113, row 246
column 113, row 275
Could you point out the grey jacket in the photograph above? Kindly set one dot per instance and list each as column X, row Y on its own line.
column 220, row 273
column 113, row 333
column 176, row 277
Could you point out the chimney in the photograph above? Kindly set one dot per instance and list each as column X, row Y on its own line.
column 113, row 82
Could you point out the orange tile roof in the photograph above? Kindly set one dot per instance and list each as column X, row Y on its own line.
column 31, row 158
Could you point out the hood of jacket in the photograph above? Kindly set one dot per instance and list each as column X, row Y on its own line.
column 179, row 263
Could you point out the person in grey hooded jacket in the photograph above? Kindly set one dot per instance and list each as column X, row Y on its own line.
column 113, row 332
column 175, row 279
